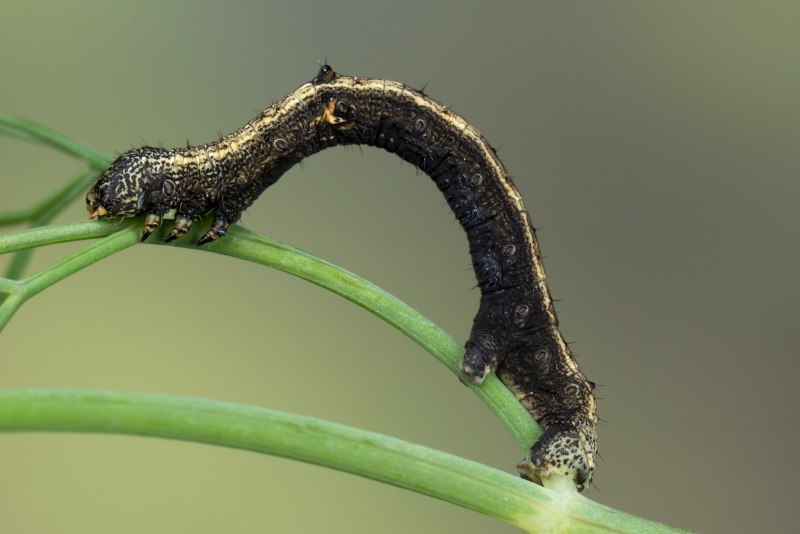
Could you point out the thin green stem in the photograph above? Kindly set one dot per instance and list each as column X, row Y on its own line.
column 79, row 260
column 244, row 244
column 16, row 217
column 25, row 289
column 9, row 304
column 9, row 286
column 46, row 210
column 31, row 131
column 63, row 233
column 247, row 245
column 18, row 264
column 421, row 469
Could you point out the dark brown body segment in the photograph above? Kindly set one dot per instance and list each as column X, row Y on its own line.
column 515, row 331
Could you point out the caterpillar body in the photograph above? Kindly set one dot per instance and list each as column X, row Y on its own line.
column 515, row 332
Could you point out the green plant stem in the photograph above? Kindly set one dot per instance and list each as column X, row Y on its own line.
column 62, row 233
column 79, row 260
column 31, row 131
column 45, row 211
column 20, row 291
column 247, row 245
column 421, row 469
column 9, row 286
column 244, row 244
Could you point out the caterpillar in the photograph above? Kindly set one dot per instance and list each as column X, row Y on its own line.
column 515, row 332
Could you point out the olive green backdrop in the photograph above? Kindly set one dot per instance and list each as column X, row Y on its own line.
column 655, row 145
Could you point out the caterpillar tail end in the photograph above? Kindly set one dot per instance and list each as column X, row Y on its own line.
column 562, row 450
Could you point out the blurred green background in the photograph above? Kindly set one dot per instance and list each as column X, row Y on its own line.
column 655, row 145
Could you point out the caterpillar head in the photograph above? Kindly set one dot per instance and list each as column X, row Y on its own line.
column 123, row 187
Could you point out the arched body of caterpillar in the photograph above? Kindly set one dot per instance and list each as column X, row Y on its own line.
column 515, row 332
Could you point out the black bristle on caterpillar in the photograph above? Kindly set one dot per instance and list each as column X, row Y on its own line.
column 515, row 332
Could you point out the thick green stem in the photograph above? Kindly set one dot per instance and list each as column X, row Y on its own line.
column 428, row 471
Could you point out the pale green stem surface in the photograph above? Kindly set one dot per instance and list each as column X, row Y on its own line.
column 421, row 469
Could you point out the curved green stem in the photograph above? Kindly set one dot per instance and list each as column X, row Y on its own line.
column 79, row 260
column 9, row 286
column 9, row 304
column 421, row 469
column 31, row 131
column 18, row 291
column 45, row 211
column 53, row 235
column 244, row 244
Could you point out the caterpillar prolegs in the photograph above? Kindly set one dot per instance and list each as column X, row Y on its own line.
column 515, row 332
